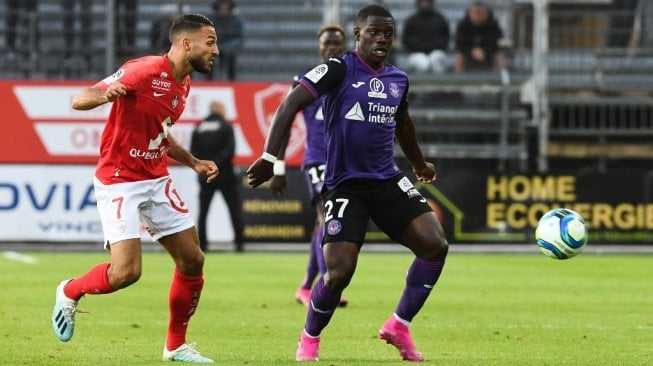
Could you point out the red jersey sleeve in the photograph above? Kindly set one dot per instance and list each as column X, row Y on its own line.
column 130, row 74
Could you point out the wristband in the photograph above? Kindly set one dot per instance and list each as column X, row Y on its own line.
column 268, row 157
column 279, row 167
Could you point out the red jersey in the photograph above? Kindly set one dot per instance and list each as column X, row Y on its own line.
column 134, row 144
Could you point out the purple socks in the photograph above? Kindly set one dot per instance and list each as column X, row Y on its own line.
column 422, row 276
column 321, row 308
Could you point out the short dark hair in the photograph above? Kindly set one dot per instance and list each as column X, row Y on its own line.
column 332, row 28
column 372, row 10
column 189, row 22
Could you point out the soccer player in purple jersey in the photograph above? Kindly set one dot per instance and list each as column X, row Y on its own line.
column 365, row 109
column 331, row 42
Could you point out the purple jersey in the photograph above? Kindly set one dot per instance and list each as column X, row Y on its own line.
column 314, row 149
column 359, row 106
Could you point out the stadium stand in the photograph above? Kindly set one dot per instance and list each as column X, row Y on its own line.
column 600, row 97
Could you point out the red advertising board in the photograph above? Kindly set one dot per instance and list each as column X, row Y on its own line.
column 41, row 127
column 48, row 150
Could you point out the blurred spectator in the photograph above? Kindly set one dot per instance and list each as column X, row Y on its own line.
column 621, row 22
column 71, row 13
column 643, row 27
column 214, row 139
column 125, row 15
column 230, row 29
column 21, row 18
column 426, row 38
column 160, row 29
column 477, row 40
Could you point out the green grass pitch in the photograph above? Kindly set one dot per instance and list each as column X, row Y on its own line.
column 487, row 309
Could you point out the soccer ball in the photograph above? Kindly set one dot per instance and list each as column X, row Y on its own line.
column 561, row 233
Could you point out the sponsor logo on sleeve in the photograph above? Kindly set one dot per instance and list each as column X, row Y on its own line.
column 317, row 73
column 113, row 78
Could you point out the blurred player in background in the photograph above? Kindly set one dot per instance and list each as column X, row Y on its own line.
column 365, row 109
column 332, row 41
column 133, row 186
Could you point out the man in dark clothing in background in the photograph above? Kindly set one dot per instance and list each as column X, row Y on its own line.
column 21, row 29
column 230, row 29
column 426, row 38
column 125, row 23
column 477, row 40
column 213, row 139
column 622, row 20
column 159, row 37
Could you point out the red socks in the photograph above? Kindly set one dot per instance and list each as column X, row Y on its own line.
column 93, row 282
column 183, row 300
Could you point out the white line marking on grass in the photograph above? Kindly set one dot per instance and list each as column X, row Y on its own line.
column 23, row 258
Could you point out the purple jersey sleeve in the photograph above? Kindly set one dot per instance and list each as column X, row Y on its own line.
column 324, row 77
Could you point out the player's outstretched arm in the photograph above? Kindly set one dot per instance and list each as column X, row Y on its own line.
column 262, row 169
column 204, row 167
column 407, row 138
column 91, row 97
column 278, row 183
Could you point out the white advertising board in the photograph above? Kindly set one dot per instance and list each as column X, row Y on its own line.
column 57, row 203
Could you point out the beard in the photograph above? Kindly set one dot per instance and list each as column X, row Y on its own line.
column 199, row 66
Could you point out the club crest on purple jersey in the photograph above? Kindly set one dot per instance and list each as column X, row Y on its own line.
column 394, row 90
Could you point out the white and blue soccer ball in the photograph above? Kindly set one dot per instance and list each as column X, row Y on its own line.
column 561, row 233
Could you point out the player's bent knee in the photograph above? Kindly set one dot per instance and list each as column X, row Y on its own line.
column 436, row 250
column 192, row 265
column 335, row 281
column 122, row 279
column 442, row 249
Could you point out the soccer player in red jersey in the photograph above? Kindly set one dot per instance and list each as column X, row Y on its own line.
column 133, row 186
